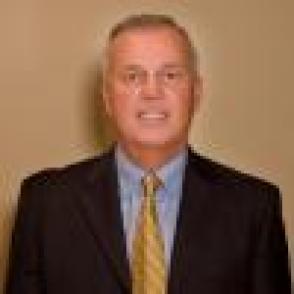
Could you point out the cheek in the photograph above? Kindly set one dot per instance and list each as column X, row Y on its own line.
column 182, row 105
column 122, row 108
column 117, row 99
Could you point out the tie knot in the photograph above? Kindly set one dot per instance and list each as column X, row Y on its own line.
column 151, row 182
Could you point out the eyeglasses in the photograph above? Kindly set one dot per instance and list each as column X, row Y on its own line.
column 135, row 77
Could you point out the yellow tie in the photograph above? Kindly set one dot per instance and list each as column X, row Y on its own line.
column 148, row 262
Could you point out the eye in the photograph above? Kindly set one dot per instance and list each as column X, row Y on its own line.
column 171, row 75
column 131, row 76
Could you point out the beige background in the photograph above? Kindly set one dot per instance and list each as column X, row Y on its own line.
column 48, row 85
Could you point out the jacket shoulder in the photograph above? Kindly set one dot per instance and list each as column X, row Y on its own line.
column 68, row 174
column 226, row 176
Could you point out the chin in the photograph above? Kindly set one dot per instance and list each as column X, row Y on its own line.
column 155, row 142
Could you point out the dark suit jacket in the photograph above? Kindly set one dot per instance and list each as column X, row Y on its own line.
column 69, row 239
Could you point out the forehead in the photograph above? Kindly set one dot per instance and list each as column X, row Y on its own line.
column 148, row 45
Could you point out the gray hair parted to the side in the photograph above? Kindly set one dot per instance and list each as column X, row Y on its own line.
column 142, row 21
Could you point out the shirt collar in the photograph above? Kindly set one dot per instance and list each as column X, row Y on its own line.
column 128, row 171
column 171, row 173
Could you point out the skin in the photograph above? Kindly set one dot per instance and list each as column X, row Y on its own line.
column 150, row 93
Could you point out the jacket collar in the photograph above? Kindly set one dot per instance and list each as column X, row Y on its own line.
column 99, row 206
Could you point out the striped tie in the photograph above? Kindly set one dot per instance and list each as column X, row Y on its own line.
column 148, row 264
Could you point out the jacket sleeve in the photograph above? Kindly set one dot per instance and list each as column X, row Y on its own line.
column 25, row 272
column 271, row 269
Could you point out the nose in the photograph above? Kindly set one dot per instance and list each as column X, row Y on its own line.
column 151, row 89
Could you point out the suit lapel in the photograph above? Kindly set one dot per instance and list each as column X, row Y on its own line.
column 100, row 208
column 192, row 207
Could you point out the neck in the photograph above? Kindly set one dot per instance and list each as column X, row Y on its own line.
column 151, row 157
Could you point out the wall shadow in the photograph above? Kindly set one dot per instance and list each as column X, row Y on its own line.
column 98, row 124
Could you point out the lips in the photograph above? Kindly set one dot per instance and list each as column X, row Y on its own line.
column 152, row 115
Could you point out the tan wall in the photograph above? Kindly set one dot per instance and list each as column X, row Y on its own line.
column 48, row 59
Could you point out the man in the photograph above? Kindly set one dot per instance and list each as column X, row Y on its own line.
column 206, row 228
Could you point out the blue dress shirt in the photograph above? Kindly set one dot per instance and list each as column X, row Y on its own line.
column 167, row 197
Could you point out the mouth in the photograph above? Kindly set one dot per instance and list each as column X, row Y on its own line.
column 152, row 116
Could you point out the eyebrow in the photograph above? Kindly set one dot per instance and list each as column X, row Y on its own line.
column 165, row 66
column 174, row 66
column 132, row 67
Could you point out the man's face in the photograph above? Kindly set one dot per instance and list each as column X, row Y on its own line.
column 149, row 88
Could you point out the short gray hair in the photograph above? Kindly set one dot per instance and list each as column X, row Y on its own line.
column 143, row 21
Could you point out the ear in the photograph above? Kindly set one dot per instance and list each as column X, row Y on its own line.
column 106, row 96
column 197, row 90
